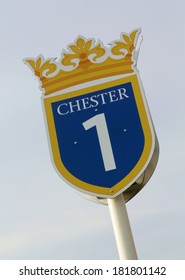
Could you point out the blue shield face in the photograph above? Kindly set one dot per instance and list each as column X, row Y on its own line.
column 101, row 136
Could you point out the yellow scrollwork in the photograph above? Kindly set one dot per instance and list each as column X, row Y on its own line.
column 126, row 45
column 83, row 53
column 42, row 68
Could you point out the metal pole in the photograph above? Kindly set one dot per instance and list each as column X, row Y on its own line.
column 122, row 229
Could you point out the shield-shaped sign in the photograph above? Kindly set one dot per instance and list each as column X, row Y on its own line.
column 100, row 131
column 101, row 137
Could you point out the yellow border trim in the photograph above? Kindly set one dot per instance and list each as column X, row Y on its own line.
column 147, row 130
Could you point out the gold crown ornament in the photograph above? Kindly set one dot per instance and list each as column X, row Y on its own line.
column 85, row 60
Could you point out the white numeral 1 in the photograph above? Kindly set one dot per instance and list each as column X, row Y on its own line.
column 104, row 140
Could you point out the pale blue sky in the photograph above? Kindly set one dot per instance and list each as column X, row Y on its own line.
column 40, row 216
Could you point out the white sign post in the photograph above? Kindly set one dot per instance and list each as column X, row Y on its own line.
column 122, row 229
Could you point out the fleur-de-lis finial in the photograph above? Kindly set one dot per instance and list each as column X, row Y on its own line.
column 83, row 53
column 126, row 45
column 42, row 67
